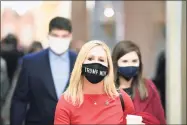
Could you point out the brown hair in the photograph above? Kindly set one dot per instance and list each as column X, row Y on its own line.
column 122, row 48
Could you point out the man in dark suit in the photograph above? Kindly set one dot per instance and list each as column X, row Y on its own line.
column 44, row 77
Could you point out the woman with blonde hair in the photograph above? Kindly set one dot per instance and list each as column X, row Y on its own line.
column 91, row 97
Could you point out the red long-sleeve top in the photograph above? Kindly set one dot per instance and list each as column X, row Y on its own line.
column 89, row 113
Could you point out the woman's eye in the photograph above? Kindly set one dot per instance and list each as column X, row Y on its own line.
column 102, row 60
column 125, row 61
column 134, row 61
column 89, row 58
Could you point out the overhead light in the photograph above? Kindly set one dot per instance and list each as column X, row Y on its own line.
column 109, row 12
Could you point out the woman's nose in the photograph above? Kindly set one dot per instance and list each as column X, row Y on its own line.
column 95, row 61
column 129, row 63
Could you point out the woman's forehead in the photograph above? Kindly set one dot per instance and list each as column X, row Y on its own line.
column 97, row 51
column 130, row 55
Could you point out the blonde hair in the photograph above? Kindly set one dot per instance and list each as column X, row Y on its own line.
column 74, row 93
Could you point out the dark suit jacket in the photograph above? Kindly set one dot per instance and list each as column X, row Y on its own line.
column 35, row 87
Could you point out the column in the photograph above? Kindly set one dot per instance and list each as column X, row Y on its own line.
column 119, row 20
column 79, row 20
column 175, row 57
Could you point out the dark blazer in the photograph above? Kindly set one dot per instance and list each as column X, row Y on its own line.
column 152, row 104
column 35, row 87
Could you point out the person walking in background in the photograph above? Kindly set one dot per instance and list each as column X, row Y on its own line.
column 36, row 46
column 5, row 112
column 92, row 89
column 4, row 85
column 11, row 54
column 159, row 79
column 43, row 78
column 4, row 81
column 128, row 69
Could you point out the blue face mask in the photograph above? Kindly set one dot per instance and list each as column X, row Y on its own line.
column 128, row 72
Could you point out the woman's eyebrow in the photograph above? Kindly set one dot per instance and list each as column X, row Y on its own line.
column 135, row 59
column 90, row 56
column 102, row 57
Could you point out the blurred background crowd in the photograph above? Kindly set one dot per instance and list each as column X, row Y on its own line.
column 24, row 28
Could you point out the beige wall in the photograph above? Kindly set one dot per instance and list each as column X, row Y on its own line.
column 9, row 22
column 38, row 18
column 43, row 15
column 143, row 21
column 21, row 26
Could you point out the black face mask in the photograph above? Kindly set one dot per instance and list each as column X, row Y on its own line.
column 128, row 72
column 94, row 72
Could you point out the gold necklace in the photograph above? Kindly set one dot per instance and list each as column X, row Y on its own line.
column 95, row 103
